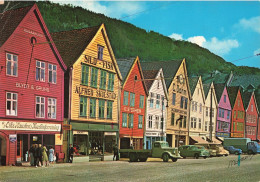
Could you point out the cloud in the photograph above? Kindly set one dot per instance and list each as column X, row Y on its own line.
column 252, row 23
column 197, row 40
column 257, row 51
column 176, row 36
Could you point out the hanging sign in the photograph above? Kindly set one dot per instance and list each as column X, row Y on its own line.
column 12, row 138
column 58, row 139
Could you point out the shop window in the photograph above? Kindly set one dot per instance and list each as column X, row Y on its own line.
column 11, row 64
column 40, row 71
column 125, row 102
column 94, row 76
column 101, row 108
column 40, row 107
column 150, row 121
column 111, row 78
column 130, row 120
column 92, row 106
column 83, row 106
column 11, row 104
column 109, row 109
column 52, row 108
column 84, row 74
column 100, row 52
column 52, row 73
column 132, row 99
column 172, row 119
column 103, row 79
column 124, row 120
column 140, row 121
column 173, row 98
column 141, row 102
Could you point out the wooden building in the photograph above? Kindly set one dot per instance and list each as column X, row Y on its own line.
column 92, row 89
column 133, row 104
column 31, row 83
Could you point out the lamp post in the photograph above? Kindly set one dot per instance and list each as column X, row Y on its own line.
column 162, row 119
column 179, row 119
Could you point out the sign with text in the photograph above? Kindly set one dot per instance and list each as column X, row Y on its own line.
column 11, row 125
column 131, row 109
column 32, row 87
column 95, row 93
column 67, row 127
column 97, row 62
column 80, row 132
column 12, row 138
column 58, row 139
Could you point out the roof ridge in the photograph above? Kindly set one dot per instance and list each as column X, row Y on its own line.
column 76, row 29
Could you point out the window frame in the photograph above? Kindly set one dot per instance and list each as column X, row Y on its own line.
column 125, row 99
column 84, row 103
column 52, row 99
column 92, row 107
column 103, row 80
column 84, row 74
column 11, row 103
column 140, row 121
column 132, row 99
column 40, row 68
column 141, row 101
column 95, row 76
column 12, row 64
column 100, row 52
column 101, row 108
column 52, row 73
column 39, row 107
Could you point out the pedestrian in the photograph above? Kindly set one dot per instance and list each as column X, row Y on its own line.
column 115, row 149
column 31, row 151
column 39, row 155
column 36, row 156
column 51, row 155
column 44, row 156
column 71, row 151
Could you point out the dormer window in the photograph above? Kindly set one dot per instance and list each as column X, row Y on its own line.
column 100, row 52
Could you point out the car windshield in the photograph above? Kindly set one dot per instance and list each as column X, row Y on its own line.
column 164, row 145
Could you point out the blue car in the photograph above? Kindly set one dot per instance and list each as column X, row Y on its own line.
column 233, row 150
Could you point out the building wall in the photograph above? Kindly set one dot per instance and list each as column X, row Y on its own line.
column 251, row 119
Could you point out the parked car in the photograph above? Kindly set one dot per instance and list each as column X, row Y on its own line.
column 215, row 149
column 245, row 144
column 193, row 151
column 233, row 150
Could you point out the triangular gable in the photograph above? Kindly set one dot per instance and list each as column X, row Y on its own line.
column 214, row 94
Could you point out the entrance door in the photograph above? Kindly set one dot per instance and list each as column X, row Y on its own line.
column 19, row 149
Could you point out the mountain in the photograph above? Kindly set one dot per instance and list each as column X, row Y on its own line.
column 129, row 41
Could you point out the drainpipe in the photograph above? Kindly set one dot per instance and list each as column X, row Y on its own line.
column 69, row 110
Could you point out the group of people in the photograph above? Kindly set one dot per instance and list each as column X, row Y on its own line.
column 39, row 155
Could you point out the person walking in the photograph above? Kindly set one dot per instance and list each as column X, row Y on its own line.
column 39, row 155
column 44, row 156
column 71, row 151
column 115, row 149
column 31, row 151
column 36, row 156
column 51, row 155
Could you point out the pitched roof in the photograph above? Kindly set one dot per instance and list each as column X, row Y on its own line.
column 246, row 96
column 193, row 83
column 125, row 64
column 72, row 43
column 246, row 80
column 169, row 68
column 206, row 88
column 215, row 78
column 9, row 20
column 149, row 74
column 232, row 94
column 219, row 88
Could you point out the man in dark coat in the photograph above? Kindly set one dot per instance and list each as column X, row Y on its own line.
column 71, row 151
column 115, row 149
column 39, row 154
column 35, row 154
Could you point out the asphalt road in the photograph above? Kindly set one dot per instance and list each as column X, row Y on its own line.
column 208, row 170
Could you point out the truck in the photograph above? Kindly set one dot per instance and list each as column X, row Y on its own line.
column 245, row 144
column 160, row 149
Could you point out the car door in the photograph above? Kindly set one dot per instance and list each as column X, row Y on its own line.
column 157, row 151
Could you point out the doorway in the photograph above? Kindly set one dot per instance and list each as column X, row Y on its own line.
column 2, row 151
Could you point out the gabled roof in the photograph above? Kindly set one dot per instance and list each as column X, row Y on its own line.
column 216, row 78
column 125, row 65
column 246, row 80
column 246, row 96
column 232, row 94
column 206, row 88
column 149, row 76
column 219, row 88
column 72, row 43
column 170, row 68
column 10, row 20
column 193, row 81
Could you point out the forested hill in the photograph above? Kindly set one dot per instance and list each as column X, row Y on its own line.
column 129, row 41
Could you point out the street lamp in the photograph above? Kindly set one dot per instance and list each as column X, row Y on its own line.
column 179, row 119
column 162, row 119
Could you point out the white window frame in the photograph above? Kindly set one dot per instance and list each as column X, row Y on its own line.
column 39, row 107
column 157, row 122
column 12, row 100
column 150, row 121
column 12, row 64
column 51, row 107
column 41, row 68
column 52, row 72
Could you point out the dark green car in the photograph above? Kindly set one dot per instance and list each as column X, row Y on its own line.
column 193, row 151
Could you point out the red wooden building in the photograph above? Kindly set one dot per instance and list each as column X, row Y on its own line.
column 133, row 97
column 251, row 115
column 31, row 84
column 238, row 112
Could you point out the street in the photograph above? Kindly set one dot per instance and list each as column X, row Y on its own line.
column 212, row 169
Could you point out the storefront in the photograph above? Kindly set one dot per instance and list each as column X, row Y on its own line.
column 151, row 137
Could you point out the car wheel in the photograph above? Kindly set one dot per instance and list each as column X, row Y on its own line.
column 133, row 157
column 250, row 152
column 196, row 156
column 184, row 157
column 165, row 157
column 205, row 157
column 174, row 159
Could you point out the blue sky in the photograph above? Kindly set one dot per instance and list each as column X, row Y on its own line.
column 228, row 29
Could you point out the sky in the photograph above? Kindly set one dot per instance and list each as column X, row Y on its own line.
column 230, row 29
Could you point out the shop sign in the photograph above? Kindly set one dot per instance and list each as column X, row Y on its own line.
column 32, row 87
column 222, row 134
column 95, row 93
column 80, row 132
column 32, row 32
column 239, row 135
column 181, row 132
column 179, row 111
column 131, row 109
column 58, row 139
column 152, row 134
column 110, row 133
column 100, row 63
column 12, row 138
column 11, row 125
column 67, row 126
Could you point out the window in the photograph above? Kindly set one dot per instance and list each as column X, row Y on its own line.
column 83, row 106
column 238, row 102
column 219, row 112
column 132, row 99
column 151, row 103
column 193, row 105
column 111, row 78
column 52, row 108
column 184, row 121
column 234, row 126
column 141, row 102
column 206, row 126
column 192, row 122
column 212, row 112
column 101, row 108
column 156, row 122
column 207, row 111
column 150, row 121
column 180, row 122
column 130, row 120
column 84, row 74
column 94, row 74
column 140, row 121
column 11, row 64
column 223, row 113
column 225, row 98
column 157, row 101
column 228, row 114
column 186, row 103
column 52, row 73
column 234, row 115
column 196, row 106
column 40, row 107
column 240, row 127
column 163, row 105
column 109, row 109
column 173, row 98
column 124, row 118
column 103, row 79
column 172, row 119
column 199, row 123
column 11, row 104
column 100, row 52
column 40, row 71
column 125, row 102
column 252, row 107
column 162, row 120
column 200, row 108
column 92, row 109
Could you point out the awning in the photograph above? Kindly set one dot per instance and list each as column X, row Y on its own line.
column 198, row 139
column 221, row 138
column 214, row 140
